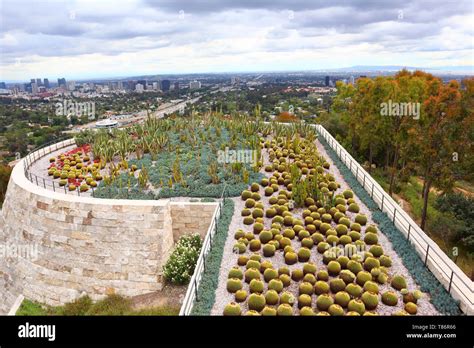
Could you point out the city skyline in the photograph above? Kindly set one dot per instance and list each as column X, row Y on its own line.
column 84, row 39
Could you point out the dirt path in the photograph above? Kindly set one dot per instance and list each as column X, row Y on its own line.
column 169, row 296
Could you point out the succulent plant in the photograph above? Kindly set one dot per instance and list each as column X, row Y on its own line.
column 307, row 243
column 382, row 278
column 361, row 219
column 370, row 300
column 356, row 305
column 304, row 300
column 348, row 194
column 371, row 286
column 309, row 267
column 232, row 309
column 354, row 266
column 370, row 263
column 354, row 235
column 246, row 194
column 270, row 274
column 390, row 298
column 264, row 265
column 256, row 302
column 249, row 203
column 306, row 312
column 255, row 245
column 284, row 242
column 321, row 287
column 258, row 227
column 417, row 294
column 234, row 284
column 256, row 286
column 268, row 312
column 334, row 268
column 398, row 282
column 248, row 220
column 265, row 236
column 347, row 276
column 304, row 254
column 371, row 238
column 411, row 308
column 353, row 208
column 271, row 297
column 337, row 285
column 275, row 284
column 376, row 250
column 385, row 261
column 240, row 296
column 306, row 288
column 371, row 228
column 287, row 297
column 335, row 310
column 342, row 298
column 242, row 260
column 285, row 279
column 252, row 313
column 354, row 290
column 322, row 275
column 324, row 301
column 252, row 263
column 322, row 247
column 250, row 274
column 284, row 310
column 239, row 248
column 291, row 258
column 309, row 278
column 363, row 277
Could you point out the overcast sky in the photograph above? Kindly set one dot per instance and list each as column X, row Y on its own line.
column 106, row 38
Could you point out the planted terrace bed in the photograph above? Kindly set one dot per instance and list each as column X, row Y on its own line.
column 300, row 242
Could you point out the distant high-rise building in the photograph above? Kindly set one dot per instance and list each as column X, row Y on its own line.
column 156, row 86
column 71, row 85
column 34, row 88
column 129, row 85
column 62, row 82
column 327, row 81
column 165, row 85
column 46, row 83
column 194, row 85
column 143, row 83
column 32, row 80
column 139, row 88
column 176, row 85
column 352, row 80
column 38, row 82
column 120, row 85
column 3, row 85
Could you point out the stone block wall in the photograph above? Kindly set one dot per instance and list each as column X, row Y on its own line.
column 191, row 218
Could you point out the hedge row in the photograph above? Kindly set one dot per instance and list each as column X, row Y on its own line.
column 210, row 278
column 428, row 283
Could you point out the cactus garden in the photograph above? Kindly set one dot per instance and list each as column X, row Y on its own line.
column 300, row 241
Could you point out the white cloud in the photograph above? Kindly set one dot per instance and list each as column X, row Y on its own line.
column 85, row 38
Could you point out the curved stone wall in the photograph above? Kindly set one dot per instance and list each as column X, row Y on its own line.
column 68, row 245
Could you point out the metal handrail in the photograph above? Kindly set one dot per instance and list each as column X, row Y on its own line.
column 41, row 181
column 192, row 293
column 414, row 233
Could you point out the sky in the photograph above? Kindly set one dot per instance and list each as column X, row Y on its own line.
column 80, row 39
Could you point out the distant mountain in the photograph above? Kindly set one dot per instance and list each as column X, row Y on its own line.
column 391, row 68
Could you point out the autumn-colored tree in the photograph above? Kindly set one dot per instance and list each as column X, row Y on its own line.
column 439, row 135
